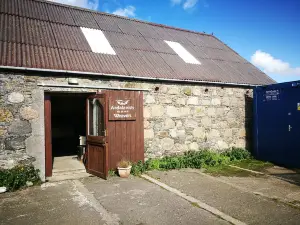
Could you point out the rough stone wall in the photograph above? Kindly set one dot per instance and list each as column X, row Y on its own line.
column 177, row 117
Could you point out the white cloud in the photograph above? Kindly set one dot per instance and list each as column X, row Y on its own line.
column 188, row 4
column 175, row 2
column 128, row 11
column 271, row 65
column 90, row 4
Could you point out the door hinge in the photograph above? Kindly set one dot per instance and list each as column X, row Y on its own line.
column 105, row 132
column 290, row 127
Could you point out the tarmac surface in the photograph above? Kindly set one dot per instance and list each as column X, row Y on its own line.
column 137, row 201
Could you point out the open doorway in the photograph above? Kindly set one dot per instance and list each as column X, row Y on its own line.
column 68, row 123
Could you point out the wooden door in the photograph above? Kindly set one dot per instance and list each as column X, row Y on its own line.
column 96, row 141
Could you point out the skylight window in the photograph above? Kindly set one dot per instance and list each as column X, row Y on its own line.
column 182, row 52
column 97, row 41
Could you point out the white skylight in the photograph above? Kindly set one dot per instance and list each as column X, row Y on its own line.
column 97, row 41
column 182, row 52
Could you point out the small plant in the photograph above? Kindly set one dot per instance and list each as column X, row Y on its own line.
column 123, row 163
column 139, row 168
column 237, row 154
column 112, row 173
column 124, row 168
column 16, row 178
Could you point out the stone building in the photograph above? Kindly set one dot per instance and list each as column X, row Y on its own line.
column 196, row 90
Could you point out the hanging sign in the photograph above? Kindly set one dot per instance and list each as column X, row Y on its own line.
column 122, row 108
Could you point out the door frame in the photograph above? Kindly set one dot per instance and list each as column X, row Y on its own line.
column 48, row 126
column 48, row 136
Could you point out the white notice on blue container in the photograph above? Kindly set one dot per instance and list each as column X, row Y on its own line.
column 272, row 95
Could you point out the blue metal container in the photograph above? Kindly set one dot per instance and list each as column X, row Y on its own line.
column 277, row 123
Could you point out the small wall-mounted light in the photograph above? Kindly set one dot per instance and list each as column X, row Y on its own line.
column 72, row 81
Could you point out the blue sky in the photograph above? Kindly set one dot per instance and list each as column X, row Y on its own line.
column 265, row 32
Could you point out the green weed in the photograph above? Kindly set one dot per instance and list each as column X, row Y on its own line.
column 16, row 178
column 191, row 159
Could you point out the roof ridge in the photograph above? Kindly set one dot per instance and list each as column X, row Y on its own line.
column 122, row 17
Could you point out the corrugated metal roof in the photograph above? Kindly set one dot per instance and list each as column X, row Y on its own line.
column 128, row 41
column 84, row 19
column 10, row 28
column 46, row 35
column 9, row 6
column 60, row 14
column 32, row 9
column 69, row 37
column 36, row 32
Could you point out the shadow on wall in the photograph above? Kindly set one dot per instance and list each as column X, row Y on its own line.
column 249, row 121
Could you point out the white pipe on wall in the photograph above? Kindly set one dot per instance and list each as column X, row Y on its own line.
column 89, row 86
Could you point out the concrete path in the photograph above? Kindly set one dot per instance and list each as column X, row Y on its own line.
column 267, row 186
column 137, row 201
column 53, row 203
column 242, row 205
column 95, row 201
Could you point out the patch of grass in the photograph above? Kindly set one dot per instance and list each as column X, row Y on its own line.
column 191, row 159
column 195, row 204
column 253, row 164
column 226, row 170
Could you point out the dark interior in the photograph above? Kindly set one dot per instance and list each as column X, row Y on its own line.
column 68, row 122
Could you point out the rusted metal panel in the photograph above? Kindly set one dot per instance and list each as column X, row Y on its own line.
column 9, row 6
column 252, row 74
column 10, row 54
column 143, row 63
column 84, row 18
column 197, row 51
column 32, row 9
column 10, row 28
column 105, row 24
column 59, row 14
column 40, row 57
column 232, row 75
column 128, row 41
column 186, row 71
column 69, row 37
column 91, row 62
column 147, row 30
column 160, row 46
column 36, row 32
column 50, row 37
column 129, row 27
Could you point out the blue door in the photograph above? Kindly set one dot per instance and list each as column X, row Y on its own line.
column 293, row 127
column 277, row 124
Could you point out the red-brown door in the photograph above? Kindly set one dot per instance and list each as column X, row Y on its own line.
column 96, row 141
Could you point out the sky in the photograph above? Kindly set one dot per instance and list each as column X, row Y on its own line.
column 265, row 32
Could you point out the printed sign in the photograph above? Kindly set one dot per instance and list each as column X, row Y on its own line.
column 122, row 109
column 298, row 106
column 272, row 95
